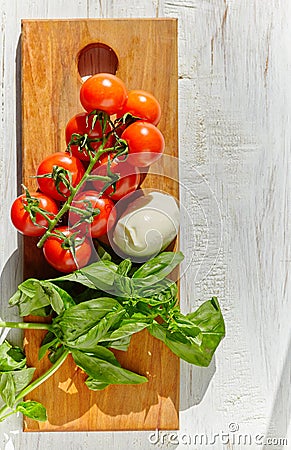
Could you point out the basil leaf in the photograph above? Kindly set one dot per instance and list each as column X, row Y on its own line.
column 14, row 375
column 161, row 266
column 31, row 299
column 79, row 319
column 66, row 298
column 128, row 327
column 124, row 267
column 22, row 377
column 165, row 291
column 89, row 340
column 121, row 344
column 95, row 385
column 39, row 298
column 196, row 340
column 101, row 274
column 208, row 317
column 7, row 388
column 105, row 372
column 14, row 300
column 122, row 286
column 11, row 358
column 104, row 354
column 33, row 410
column 102, row 253
column 76, row 277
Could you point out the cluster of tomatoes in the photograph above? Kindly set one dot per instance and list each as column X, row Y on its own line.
column 106, row 145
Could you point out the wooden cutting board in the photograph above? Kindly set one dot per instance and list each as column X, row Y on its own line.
column 53, row 57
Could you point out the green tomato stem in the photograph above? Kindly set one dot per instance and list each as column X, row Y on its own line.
column 69, row 200
column 86, row 177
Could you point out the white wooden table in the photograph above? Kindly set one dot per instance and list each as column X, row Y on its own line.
column 234, row 120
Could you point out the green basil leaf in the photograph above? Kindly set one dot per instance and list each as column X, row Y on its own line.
column 66, row 299
column 102, row 253
column 7, row 388
column 161, row 266
column 95, row 385
column 11, row 358
column 89, row 340
column 31, row 299
column 39, row 298
column 79, row 319
column 121, row 344
column 195, row 344
column 165, row 291
column 105, row 372
column 33, row 410
column 122, row 286
column 22, row 377
column 127, row 328
column 53, row 296
column 124, row 267
column 28, row 287
column 101, row 274
column 14, row 300
column 76, row 277
column 208, row 317
column 104, row 354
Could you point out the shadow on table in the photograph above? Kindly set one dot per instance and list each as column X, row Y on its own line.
column 11, row 274
column 281, row 411
column 194, row 383
column 10, row 277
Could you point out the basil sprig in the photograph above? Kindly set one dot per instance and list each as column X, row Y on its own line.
column 14, row 377
column 97, row 309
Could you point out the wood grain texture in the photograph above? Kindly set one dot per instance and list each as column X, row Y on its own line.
column 234, row 127
column 50, row 95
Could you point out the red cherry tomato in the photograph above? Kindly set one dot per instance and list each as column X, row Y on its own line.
column 129, row 177
column 61, row 159
column 142, row 104
column 78, row 124
column 21, row 218
column 103, row 221
column 104, row 92
column 62, row 259
column 145, row 143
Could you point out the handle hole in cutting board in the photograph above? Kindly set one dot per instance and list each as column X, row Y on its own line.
column 96, row 58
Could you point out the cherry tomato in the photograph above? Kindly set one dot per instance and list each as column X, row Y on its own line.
column 142, row 104
column 62, row 259
column 104, row 92
column 145, row 143
column 78, row 124
column 129, row 177
column 21, row 218
column 101, row 222
column 61, row 159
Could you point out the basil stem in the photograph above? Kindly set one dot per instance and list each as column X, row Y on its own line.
column 26, row 325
